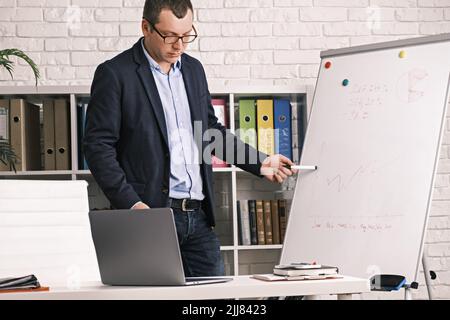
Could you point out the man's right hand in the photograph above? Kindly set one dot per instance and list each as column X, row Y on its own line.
column 140, row 206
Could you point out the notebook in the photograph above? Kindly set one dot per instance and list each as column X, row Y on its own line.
column 140, row 248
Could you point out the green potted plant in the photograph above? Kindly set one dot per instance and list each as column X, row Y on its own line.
column 7, row 155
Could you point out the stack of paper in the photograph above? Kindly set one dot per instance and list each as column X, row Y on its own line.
column 300, row 271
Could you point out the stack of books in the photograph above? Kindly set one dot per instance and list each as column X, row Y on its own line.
column 261, row 222
column 300, row 271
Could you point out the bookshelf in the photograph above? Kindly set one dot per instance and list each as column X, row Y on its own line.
column 230, row 183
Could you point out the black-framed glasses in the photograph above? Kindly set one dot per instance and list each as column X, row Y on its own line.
column 174, row 39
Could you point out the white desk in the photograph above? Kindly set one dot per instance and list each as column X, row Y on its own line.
column 240, row 287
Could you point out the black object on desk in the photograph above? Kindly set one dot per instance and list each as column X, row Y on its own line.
column 387, row 282
column 27, row 282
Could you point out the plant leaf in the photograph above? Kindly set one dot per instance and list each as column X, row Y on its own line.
column 7, row 155
column 4, row 55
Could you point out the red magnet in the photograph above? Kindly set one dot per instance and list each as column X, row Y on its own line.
column 328, row 65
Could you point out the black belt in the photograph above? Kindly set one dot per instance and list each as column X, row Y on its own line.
column 185, row 204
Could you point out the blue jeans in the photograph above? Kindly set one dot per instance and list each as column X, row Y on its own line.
column 199, row 245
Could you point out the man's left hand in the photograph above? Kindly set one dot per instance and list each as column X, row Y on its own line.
column 273, row 168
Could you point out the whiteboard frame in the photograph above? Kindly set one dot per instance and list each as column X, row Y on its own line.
column 386, row 45
column 436, row 163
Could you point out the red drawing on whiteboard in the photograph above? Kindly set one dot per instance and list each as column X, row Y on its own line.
column 409, row 85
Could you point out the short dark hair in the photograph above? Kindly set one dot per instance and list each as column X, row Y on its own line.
column 153, row 8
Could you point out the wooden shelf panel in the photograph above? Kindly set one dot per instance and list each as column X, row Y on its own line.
column 36, row 173
column 261, row 247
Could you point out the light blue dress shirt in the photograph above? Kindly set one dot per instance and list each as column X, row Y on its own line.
column 185, row 178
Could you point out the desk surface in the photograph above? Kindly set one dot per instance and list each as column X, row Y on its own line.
column 240, row 287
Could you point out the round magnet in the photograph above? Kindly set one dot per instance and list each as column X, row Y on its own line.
column 345, row 82
column 402, row 54
column 328, row 65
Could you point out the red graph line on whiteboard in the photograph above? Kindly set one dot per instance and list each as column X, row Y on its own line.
column 338, row 180
column 364, row 227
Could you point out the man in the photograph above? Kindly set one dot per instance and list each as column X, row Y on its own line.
column 139, row 138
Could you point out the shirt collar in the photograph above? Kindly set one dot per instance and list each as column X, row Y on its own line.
column 154, row 65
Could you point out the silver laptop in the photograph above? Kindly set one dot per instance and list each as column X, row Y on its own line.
column 140, row 248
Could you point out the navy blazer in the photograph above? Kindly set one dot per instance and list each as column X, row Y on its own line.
column 126, row 143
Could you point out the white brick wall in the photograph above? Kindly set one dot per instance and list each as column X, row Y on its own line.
column 269, row 42
column 264, row 35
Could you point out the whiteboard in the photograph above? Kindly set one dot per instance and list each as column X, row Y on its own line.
column 376, row 144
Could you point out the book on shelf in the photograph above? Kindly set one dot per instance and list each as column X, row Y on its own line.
column 48, row 109
column 253, row 223
column 62, row 134
column 275, row 222
column 295, row 271
column 240, row 231
column 4, row 119
column 56, row 131
column 81, row 124
column 219, row 106
column 260, row 222
column 24, row 134
column 282, row 125
column 4, row 127
column 264, row 126
column 268, row 221
column 282, row 209
column 247, row 122
column 243, row 222
column 301, row 127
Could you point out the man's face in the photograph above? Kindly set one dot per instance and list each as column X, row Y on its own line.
column 168, row 25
